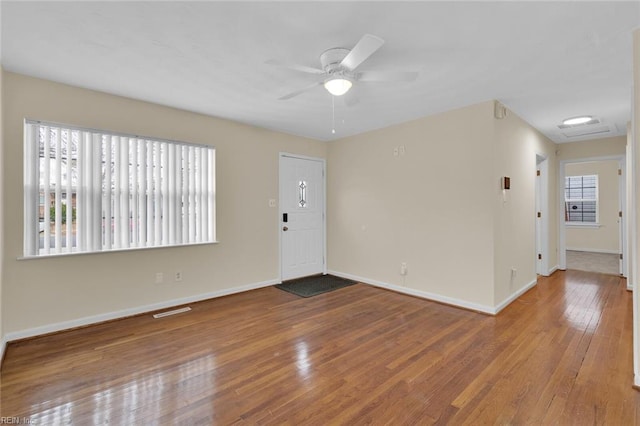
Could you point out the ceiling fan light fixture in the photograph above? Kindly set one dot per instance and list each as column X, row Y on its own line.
column 577, row 120
column 338, row 86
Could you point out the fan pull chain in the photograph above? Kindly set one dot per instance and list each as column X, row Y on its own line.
column 333, row 114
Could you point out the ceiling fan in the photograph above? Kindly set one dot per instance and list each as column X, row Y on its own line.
column 338, row 72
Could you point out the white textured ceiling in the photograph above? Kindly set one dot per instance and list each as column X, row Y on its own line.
column 544, row 60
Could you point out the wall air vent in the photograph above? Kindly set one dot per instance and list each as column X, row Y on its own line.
column 173, row 312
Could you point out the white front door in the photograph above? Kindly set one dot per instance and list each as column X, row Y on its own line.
column 302, row 224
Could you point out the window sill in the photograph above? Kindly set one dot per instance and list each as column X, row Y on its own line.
column 578, row 225
column 84, row 253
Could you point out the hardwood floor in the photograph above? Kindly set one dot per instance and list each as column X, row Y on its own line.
column 561, row 354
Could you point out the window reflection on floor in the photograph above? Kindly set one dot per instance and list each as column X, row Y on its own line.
column 583, row 313
column 147, row 393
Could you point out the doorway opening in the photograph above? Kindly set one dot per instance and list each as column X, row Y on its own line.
column 592, row 233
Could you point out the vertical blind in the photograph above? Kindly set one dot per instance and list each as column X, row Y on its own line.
column 89, row 190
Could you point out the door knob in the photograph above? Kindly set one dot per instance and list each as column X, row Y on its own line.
column 285, row 228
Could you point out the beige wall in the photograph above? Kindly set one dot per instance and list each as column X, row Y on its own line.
column 636, row 236
column 439, row 207
column 591, row 149
column 516, row 147
column 436, row 206
column 55, row 290
column 430, row 208
column 2, row 341
column 606, row 237
column 629, row 208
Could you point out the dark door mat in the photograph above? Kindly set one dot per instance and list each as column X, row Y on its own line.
column 314, row 285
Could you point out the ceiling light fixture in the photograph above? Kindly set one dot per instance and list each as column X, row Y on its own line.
column 338, row 86
column 577, row 120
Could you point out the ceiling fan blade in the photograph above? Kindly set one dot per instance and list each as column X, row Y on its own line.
column 386, row 76
column 367, row 45
column 295, row 67
column 298, row 92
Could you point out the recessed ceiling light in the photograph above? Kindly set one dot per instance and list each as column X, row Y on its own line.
column 577, row 120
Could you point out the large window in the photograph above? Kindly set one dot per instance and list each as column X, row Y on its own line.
column 89, row 191
column 581, row 199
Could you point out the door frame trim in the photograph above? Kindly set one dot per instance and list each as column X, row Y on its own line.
column 542, row 199
column 622, row 204
column 323, row 161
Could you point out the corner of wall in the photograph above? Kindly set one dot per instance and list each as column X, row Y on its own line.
column 390, row 201
column 247, row 229
column 635, row 184
column 516, row 147
column 2, row 336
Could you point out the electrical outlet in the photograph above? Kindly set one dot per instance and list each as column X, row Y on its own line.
column 159, row 277
column 403, row 268
column 178, row 276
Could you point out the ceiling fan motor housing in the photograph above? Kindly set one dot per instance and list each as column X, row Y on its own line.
column 331, row 59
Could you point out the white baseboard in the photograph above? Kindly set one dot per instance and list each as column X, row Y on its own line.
column 515, row 295
column 438, row 297
column 418, row 293
column 80, row 322
column 592, row 250
column 636, row 381
column 554, row 269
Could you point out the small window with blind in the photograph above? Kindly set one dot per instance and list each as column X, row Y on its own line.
column 90, row 191
column 581, row 200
